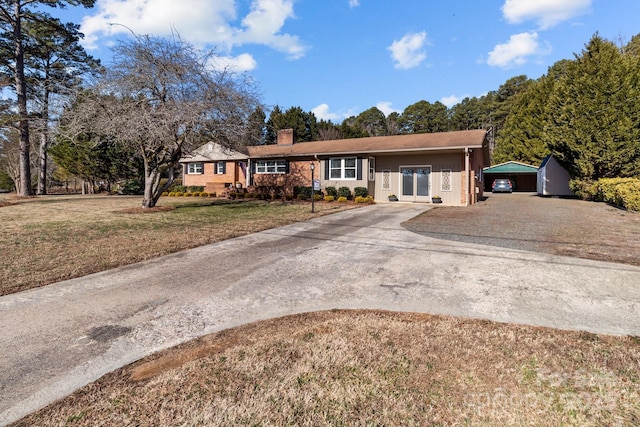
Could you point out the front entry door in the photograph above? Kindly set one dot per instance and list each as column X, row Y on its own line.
column 415, row 184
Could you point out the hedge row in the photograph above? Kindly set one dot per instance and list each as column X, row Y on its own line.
column 188, row 194
column 623, row 192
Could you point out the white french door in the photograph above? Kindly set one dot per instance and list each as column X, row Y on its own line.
column 415, row 183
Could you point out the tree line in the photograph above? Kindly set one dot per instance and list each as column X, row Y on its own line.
column 162, row 97
column 584, row 111
column 486, row 112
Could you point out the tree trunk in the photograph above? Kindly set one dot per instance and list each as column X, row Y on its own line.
column 21, row 91
column 150, row 177
column 42, row 170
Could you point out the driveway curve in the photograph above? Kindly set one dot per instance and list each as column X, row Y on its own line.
column 60, row 337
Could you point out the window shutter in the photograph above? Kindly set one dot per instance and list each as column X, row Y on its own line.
column 286, row 166
column 224, row 167
column 359, row 169
column 326, row 169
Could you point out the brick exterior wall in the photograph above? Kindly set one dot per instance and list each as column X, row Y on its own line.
column 214, row 182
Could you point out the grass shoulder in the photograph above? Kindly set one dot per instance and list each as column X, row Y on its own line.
column 53, row 238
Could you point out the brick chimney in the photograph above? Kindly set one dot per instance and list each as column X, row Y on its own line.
column 286, row 137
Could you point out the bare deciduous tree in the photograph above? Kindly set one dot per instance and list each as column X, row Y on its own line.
column 165, row 97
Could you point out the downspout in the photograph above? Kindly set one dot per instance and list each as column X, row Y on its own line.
column 467, row 176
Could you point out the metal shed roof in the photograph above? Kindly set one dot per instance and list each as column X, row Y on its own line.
column 511, row 167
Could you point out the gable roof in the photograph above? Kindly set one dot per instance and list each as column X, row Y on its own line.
column 377, row 144
column 546, row 160
column 212, row 151
column 511, row 167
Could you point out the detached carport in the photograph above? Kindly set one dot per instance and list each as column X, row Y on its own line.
column 523, row 177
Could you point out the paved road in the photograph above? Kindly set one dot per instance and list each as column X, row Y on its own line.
column 57, row 338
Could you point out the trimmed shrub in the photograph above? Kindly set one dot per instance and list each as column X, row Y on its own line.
column 301, row 197
column 179, row 189
column 344, row 192
column 304, row 190
column 331, row 191
column 165, row 193
column 196, row 188
column 329, row 198
column 623, row 192
column 188, row 194
column 204, row 194
column 317, row 197
column 586, row 190
column 360, row 192
column 342, row 199
column 132, row 187
column 361, row 199
column 178, row 193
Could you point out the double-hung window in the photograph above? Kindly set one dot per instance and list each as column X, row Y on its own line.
column 221, row 168
column 195, row 168
column 271, row 166
column 343, row 168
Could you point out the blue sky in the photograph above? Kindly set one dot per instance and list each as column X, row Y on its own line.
column 340, row 57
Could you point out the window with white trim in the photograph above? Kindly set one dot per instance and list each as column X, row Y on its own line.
column 372, row 169
column 195, row 168
column 343, row 168
column 221, row 168
column 271, row 166
column 446, row 180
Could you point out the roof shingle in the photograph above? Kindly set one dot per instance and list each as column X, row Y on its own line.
column 378, row 144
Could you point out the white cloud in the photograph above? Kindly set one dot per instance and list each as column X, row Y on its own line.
column 408, row 52
column 263, row 24
column 322, row 113
column 203, row 22
column 386, row 108
column 354, row 3
column 452, row 100
column 240, row 63
column 515, row 51
column 546, row 13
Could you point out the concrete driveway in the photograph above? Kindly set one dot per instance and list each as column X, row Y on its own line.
column 60, row 337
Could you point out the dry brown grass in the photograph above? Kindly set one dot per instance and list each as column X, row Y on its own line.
column 52, row 238
column 370, row 368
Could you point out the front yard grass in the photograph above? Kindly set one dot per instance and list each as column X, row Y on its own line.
column 353, row 367
column 344, row 368
column 53, row 238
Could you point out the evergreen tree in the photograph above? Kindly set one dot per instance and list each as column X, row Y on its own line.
column 55, row 64
column 522, row 134
column 372, row 121
column 256, row 128
column 275, row 123
column 350, row 129
column 594, row 127
column 424, row 117
column 303, row 123
column 15, row 15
